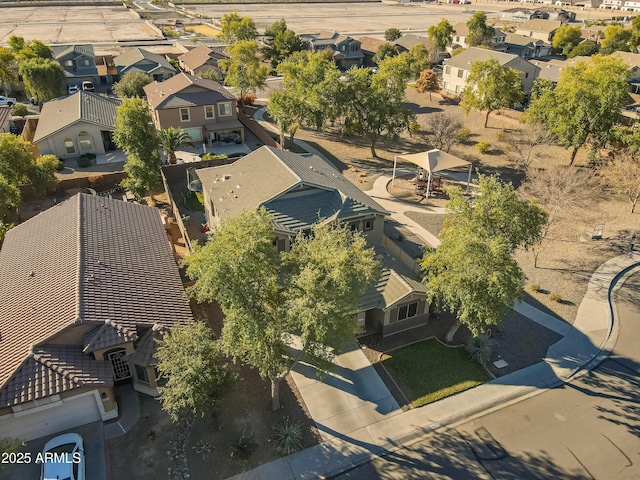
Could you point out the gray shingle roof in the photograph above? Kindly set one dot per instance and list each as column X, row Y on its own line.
column 159, row 94
column 395, row 282
column 199, row 56
column 134, row 55
column 465, row 58
column 86, row 260
column 86, row 50
column 267, row 173
column 87, row 107
column 54, row 369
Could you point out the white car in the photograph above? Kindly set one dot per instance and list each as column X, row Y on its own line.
column 7, row 101
column 73, row 89
column 63, row 458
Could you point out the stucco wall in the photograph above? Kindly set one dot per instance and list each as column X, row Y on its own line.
column 54, row 144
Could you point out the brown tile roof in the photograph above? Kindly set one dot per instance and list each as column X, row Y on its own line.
column 147, row 346
column 538, row 25
column 86, row 260
column 54, row 369
column 370, row 44
column 199, row 56
column 109, row 334
column 159, row 94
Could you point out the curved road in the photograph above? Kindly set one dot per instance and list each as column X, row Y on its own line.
column 587, row 429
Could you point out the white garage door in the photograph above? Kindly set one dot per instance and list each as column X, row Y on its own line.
column 63, row 415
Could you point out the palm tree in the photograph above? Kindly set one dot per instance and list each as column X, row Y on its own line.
column 172, row 139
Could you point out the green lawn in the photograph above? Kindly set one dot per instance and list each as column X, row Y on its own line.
column 195, row 202
column 430, row 371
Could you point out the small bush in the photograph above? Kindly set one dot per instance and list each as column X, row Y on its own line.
column 352, row 168
column 480, row 348
column 19, row 110
column 84, row 162
column 288, row 437
column 463, row 135
column 212, row 156
column 483, row 147
column 555, row 297
column 60, row 165
column 150, row 436
column 534, row 287
column 243, row 447
column 97, row 182
column 249, row 99
column 362, row 174
column 501, row 135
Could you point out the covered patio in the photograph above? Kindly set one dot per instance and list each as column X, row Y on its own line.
column 431, row 161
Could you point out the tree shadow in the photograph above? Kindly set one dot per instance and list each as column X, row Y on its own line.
column 422, row 109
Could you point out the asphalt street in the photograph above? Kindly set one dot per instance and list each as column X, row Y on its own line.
column 587, row 429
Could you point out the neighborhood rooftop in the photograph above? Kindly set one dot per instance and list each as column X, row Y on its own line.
column 168, row 94
column 475, row 54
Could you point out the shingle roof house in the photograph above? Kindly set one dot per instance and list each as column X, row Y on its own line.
column 78, row 63
column 299, row 191
column 139, row 60
column 201, row 59
column 346, row 50
column 77, row 124
column 75, row 290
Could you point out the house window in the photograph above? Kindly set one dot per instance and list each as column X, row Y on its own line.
column 526, row 75
column 446, row 85
column 85, row 142
column 460, row 73
column 208, row 111
column 355, row 48
column 447, row 69
column 408, row 311
column 184, row 115
column 353, row 227
column 224, row 109
column 68, row 144
column 68, row 63
column 368, row 225
column 141, row 374
column 86, row 62
column 161, row 380
column 458, row 89
column 343, row 48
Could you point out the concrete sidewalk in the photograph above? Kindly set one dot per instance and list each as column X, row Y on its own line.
column 586, row 344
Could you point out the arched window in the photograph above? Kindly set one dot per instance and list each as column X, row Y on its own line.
column 85, row 142
column 68, row 144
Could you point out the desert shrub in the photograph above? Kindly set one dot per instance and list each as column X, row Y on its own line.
column 483, row 147
column 96, row 182
column 463, row 135
column 480, row 348
column 243, row 447
column 500, row 135
column 362, row 174
column 288, row 437
column 19, row 110
column 534, row 287
column 555, row 297
column 150, row 436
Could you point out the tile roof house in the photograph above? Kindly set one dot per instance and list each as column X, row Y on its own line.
column 139, row 60
column 78, row 63
column 526, row 47
column 369, row 47
column 461, row 33
column 456, row 69
column 300, row 191
column 77, row 124
column 346, row 50
column 77, row 302
column 5, row 118
column 201, row 107
column 201, row 59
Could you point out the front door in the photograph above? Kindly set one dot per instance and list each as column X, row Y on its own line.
column 120, row 365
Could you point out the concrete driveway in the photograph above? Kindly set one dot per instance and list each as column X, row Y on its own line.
column 94, row 455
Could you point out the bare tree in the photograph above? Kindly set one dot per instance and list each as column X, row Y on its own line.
column 558, row 189
column 525, row 146
column 442, row 130
column 622, row 175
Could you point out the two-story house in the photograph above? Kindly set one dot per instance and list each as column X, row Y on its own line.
column 201, row 59
column 78, row 316
column 139, row 60
column 456, row 69
column 201, row 107
column 540, row 29
column 347, row 51
column 461, row 36
column 300, row 191
column 526, row 47
column 78, row 63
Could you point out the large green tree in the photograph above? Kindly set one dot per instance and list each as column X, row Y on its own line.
column 374, row 104
column 196, row 373
column 172, row 139
column 420, row 59
column 585, row 104
column 136, row 135
column 491, row 86
column 234, row 28
column 243, row 69
column 480, row 33
column 392, row 34
column 132, row 85
column 584, row 49
column 566, row 38
column 8, row 68
column 616, row 38
column 280, row 43
column 44, row 79
column 473, row 272
column 268, row 298
column 385, row 50
column 441, row 34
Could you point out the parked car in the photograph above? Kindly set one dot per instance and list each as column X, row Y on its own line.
column 7, row 101
column 63, row 458
column 88, row 87
column 73, row 89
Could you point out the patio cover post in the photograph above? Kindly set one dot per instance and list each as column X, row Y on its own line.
column 428, row 185
column 469, row 178
column 393, row 177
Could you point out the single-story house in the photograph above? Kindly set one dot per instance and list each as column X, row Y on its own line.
column 139, row 60
column 300, row 191
column 201, row 59
column 77, row 124
column 79, row 305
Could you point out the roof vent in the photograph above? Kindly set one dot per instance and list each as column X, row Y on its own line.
column 32, row 273
column 226, row 176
